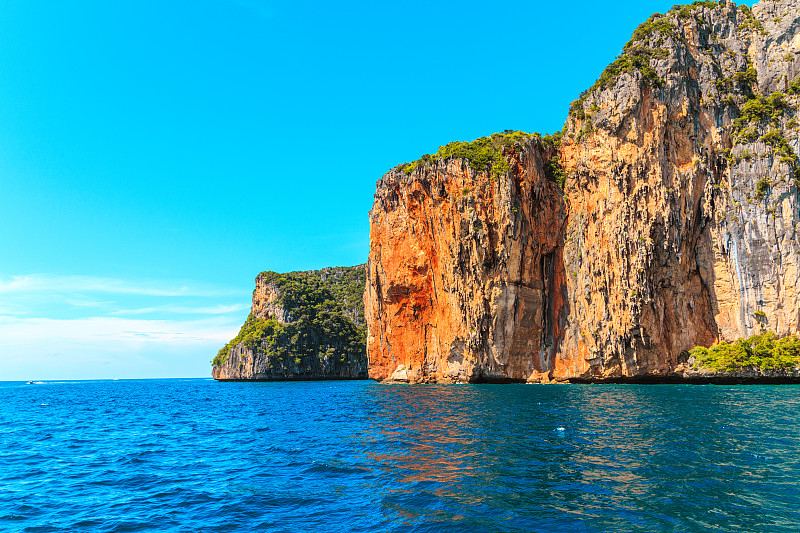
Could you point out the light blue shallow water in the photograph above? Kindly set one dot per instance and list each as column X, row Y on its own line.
column 196, row 455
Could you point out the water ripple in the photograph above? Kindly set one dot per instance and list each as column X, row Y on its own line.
column 196, row 455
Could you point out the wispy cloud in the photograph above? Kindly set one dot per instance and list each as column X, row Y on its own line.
column 85, row 326
column 88, row 303
column 38, row 283
column 106, row 347
column 110, row 332
column 178, row 309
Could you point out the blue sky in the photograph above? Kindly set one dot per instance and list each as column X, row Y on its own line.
column 155, row 156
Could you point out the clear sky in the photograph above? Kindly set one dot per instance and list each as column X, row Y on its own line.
column 156, row 155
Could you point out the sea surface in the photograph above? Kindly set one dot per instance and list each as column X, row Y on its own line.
column 197, row 455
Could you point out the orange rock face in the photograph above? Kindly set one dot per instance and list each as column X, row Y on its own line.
column 460, row 268
column 677, row 226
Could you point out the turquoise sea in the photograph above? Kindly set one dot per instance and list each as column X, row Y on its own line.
column 197, row 455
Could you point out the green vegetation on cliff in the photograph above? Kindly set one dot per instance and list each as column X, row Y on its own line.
column 554, row 171
column 486, row 154
column 685, row 12
column 347, row 286
column 482, row 155
column 759, row 352
column 761, row 109
column 251, row 334
column 749, row 21
column 642, row 49
column 759, row 112
column 324, row 312
column 636, row 56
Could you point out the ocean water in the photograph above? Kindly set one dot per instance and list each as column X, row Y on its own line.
column 197, row 455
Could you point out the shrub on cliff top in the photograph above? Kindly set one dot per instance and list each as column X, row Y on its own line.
column 485, row 154
column 636, row 57
column 637, row 53
column 482, row 155
column 655, row 24
column 685, row 12
column 759, row 352
column 550, row 141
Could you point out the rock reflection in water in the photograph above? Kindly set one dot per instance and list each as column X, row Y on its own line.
column 430, row 435
column 550, row 458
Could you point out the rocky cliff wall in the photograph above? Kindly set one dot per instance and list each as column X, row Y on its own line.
column 461, row 267
column 676, row 227
column 266, row 303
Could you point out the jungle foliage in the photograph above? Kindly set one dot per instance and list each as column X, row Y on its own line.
column 324, row 313
column 760, row 352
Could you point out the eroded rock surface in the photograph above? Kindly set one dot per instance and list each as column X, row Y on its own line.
column 677, row 225
column 462, row 265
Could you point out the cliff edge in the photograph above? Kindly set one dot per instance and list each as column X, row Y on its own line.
column 665, row 217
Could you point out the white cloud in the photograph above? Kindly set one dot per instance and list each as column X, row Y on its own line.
column 106, row 347
column 91, row 330
column 38, row 283
column 52, row 326
column 88, row 303
column 179, row 309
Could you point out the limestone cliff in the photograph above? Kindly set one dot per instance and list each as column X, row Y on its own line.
column 302, row 326
column 676, row 225
column 464, row 269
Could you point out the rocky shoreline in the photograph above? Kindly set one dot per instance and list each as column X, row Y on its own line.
column 686, row 377
column 715, row 379
column 363, row 377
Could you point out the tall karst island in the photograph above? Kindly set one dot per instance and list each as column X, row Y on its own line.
column 662, row 220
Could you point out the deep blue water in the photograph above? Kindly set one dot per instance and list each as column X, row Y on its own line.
column 197, row 455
